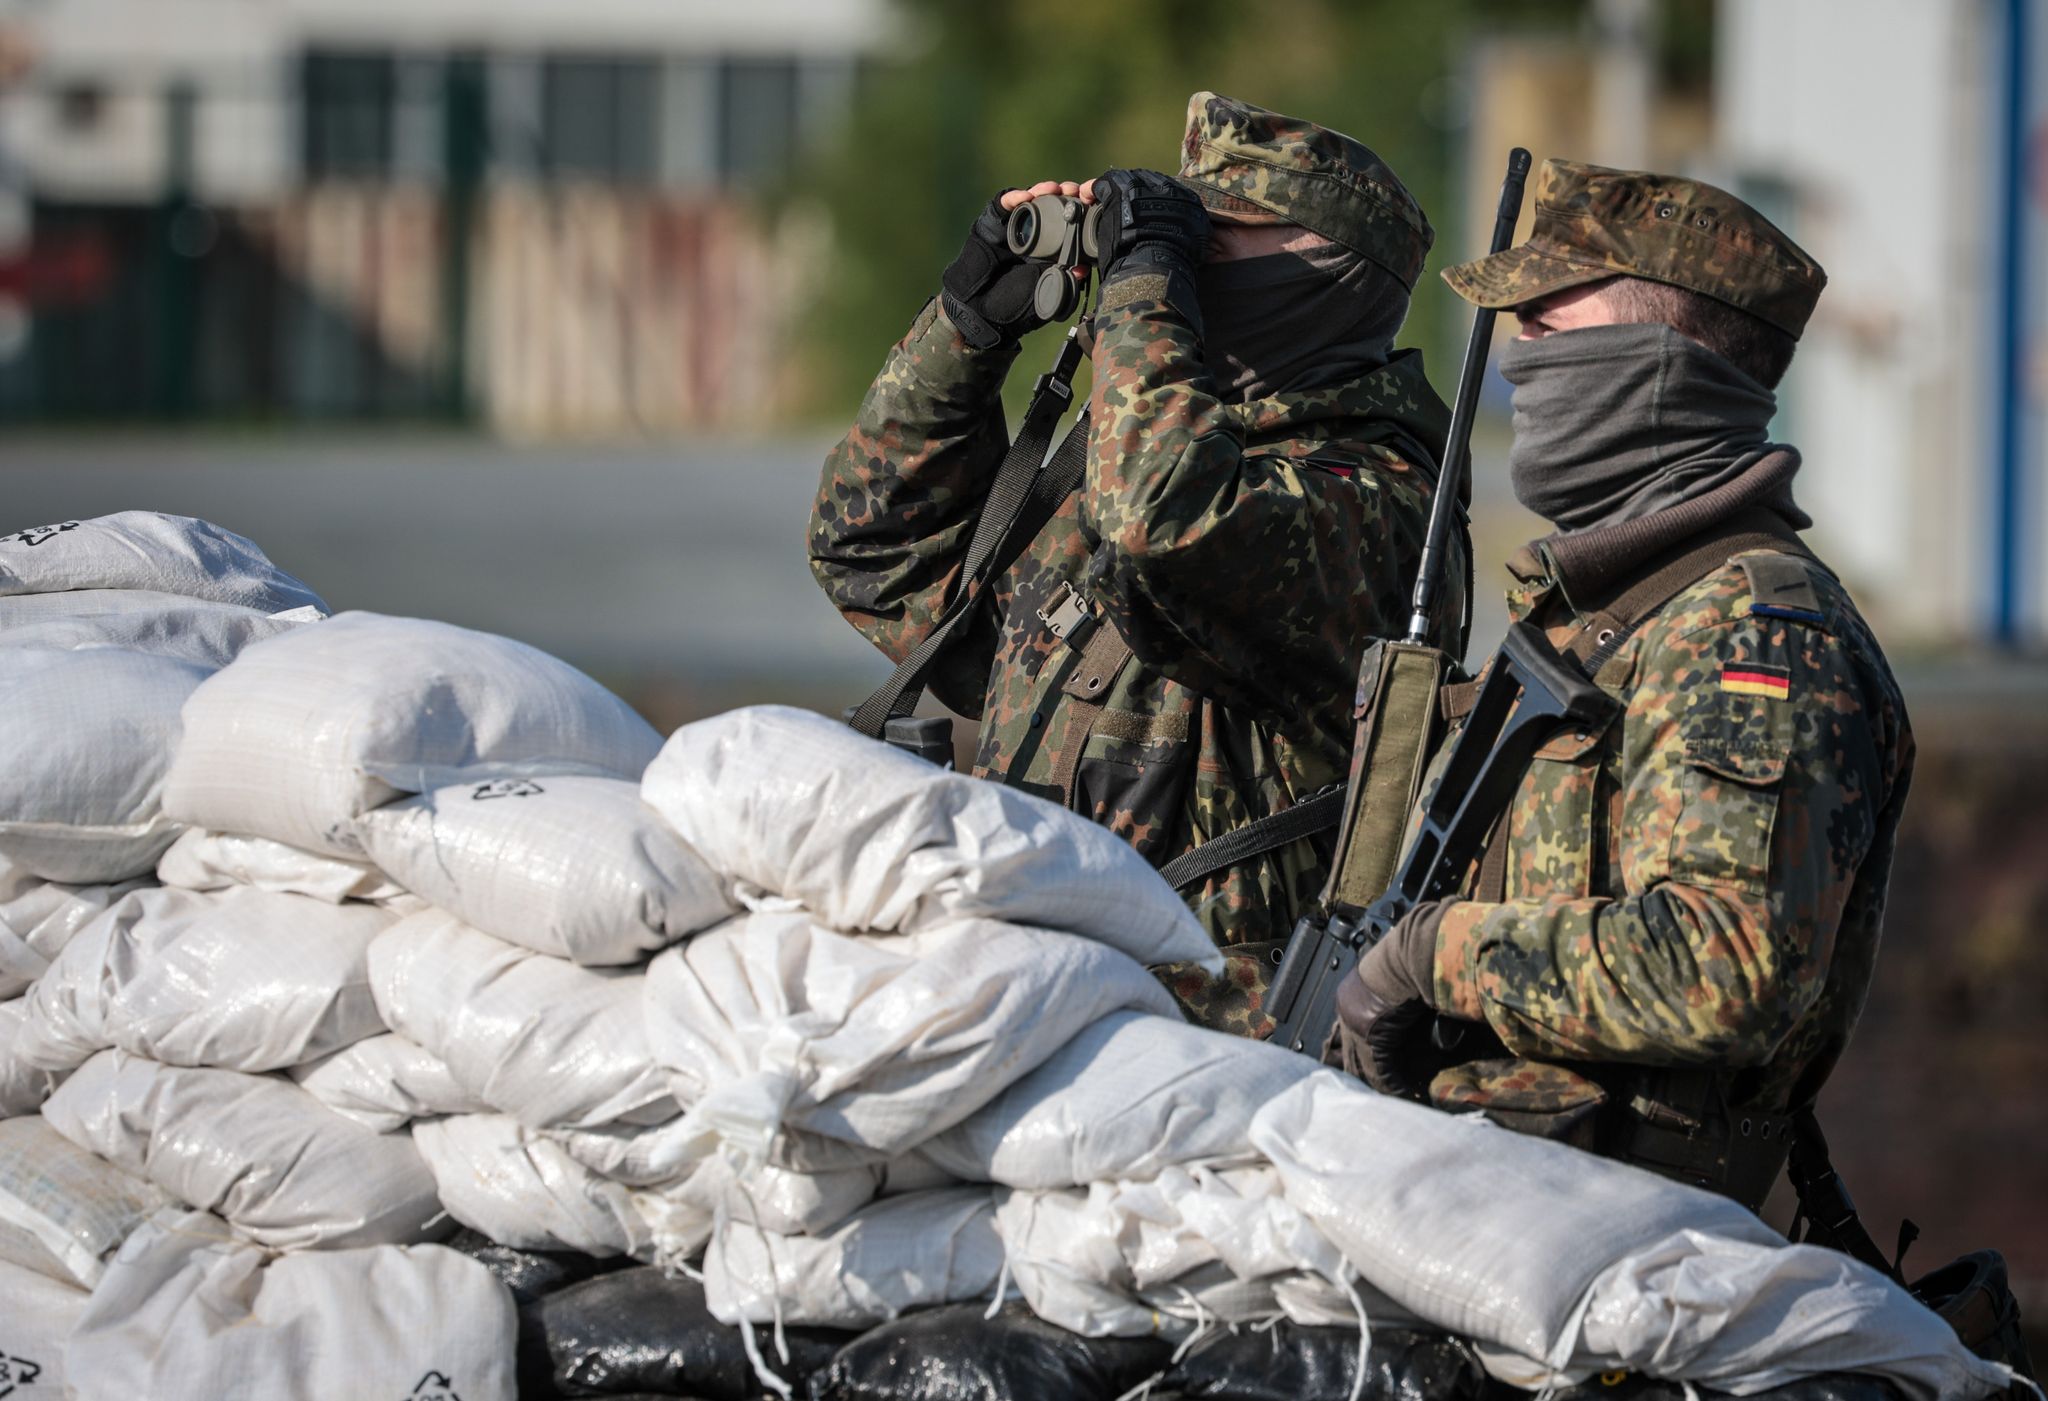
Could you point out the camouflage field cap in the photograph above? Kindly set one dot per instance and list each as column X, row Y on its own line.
column 1251, row 166
column 1592, row 223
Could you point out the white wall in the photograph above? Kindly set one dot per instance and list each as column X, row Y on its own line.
column 242, row 55
column 801, row 27
column 1878, row 115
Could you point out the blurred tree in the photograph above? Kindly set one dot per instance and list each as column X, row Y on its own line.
column 995, row 93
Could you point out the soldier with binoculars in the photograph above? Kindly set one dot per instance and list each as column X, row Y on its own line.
column 1174, row 653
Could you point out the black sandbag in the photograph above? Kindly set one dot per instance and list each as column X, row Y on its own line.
column 952, row 1353
column 1290, row 1362
column 1839, row 1387
column 639, row 1330
column 530, row 1274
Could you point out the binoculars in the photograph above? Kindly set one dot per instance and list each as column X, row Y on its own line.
column 1062, row 233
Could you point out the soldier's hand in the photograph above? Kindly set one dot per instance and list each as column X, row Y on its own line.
column 1387, row 1010
column 1383, row 1038
column 1150, row 222
column 987, row 289
column 1083, row 191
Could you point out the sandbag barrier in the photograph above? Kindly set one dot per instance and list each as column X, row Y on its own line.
column 756, row 1060
column 589, row 1328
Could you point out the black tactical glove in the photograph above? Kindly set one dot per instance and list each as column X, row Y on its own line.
column 987, row 289
column 1387, row 1011
column 1151, row 226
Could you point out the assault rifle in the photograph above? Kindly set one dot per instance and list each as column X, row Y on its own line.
column 1530, row 693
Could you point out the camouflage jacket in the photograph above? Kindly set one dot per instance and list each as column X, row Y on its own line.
column 1698, row 887
column 1244, row 554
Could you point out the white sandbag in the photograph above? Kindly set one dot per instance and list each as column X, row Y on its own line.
column 575, row 867
column 186, row 1310
column 37, row 1316
column 310, row 730
column 1125, row 1098
column 63, row 1210
column 539, row 1038
column 655, row 1155
column 1189, row 1247
column 23, row 1087
column 385, row 1082
column 38, row 918
column 868, row 837
column 877, row 1040
column 1484, row 1233
column 256, row 1149
column 1573, row 1260
column 86, row 746
column 497, row 1176
column 1742, row 1317
column 201, row 860
column 241, row 980
column 111, row 607
column 901, row 1253
column 163, row 625
column 152, row 551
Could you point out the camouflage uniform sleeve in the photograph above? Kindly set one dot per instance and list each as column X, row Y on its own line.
column 900, row 495
column 1757, row 755
column 1207, row 559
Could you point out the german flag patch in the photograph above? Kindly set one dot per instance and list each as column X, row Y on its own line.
column 1757, row 679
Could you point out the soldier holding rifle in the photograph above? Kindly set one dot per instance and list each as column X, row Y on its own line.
column 1666, row 937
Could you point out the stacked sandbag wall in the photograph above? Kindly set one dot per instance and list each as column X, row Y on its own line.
column 323, row 939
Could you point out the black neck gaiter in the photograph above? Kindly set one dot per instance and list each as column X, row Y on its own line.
column 1294, row 321
column 1613, row 423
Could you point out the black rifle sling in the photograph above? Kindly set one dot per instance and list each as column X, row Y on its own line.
column 1026, row 493
column 1316, row 813
column 1826, row 1211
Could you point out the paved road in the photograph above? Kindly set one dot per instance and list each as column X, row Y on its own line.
column 682, row 561
column 676, row 566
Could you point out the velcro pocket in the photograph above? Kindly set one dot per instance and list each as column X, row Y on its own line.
column 1736, row 750
column 1758, row 763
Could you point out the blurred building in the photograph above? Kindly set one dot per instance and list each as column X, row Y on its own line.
column 522, row 212
column 1902, row 143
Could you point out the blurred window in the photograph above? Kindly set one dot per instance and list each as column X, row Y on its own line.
column 757, row 119
column 80, row 106
column 601, row 117
column 348, row 106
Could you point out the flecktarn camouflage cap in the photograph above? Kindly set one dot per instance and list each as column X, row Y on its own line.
column 1253, row 166
column 1593, row 223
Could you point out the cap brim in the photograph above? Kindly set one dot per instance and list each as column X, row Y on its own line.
column 1229, row 208
column 1517, row 275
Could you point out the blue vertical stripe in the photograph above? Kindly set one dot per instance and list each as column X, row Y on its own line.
column 2007, row 533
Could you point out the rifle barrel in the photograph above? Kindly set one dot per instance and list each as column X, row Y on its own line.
column 1458, row 447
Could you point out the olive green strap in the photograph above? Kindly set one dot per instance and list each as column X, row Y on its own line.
column 1397, row 722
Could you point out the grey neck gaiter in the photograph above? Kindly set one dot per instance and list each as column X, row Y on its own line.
column 1613, row 423
column 1294, row 321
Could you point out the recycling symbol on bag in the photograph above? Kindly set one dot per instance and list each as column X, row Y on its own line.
column 506, row 788
column 434, row 1386
column 32, row 537
column 18, row 1372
